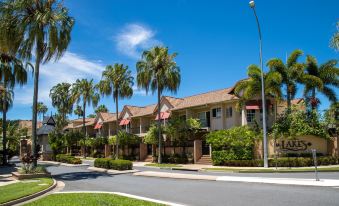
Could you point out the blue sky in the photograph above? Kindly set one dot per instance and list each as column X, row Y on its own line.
column 216, row 41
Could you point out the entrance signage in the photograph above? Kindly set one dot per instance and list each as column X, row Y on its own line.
column 293, row 145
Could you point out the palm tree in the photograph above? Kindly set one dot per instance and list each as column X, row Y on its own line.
column 325, row 79
column 6, row 102
column 335, row 39
column 118, row 82
column 78, row 111
column 46, row 28
column 101, row 108
column 250, row 88
column 12, row 69
column 85, row 91
column 61, row 96
column 158, row 71
column 291, row 72
column 42, row 109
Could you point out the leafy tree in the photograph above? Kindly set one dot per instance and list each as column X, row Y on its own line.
column 91, row 115
column 118, row 82
column 84, row 90
column 300, row 123
column 42, row 109
column 12, row 69
column 71, row 138
column 157, row 71
column 291, row 73
column 56, row 143
column 152, row 137
column 334, row 43
column 251, row 87
column 61, row 95
column 46, row 28
column 78, row 111
column 101, row 108
column 325, row 80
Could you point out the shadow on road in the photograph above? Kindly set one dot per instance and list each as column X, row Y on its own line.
column 74, row 176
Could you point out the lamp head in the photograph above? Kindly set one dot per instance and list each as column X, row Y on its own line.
column 252, row 4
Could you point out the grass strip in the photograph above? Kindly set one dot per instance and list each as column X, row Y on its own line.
column 23, row 188
column 84, row 199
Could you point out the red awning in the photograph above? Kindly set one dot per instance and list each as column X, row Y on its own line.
column 163, row 115
column 252, row 107
column 124, row 122
column 97, row 126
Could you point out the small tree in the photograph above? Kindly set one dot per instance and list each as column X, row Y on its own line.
column 56, row 143
column 152, row 137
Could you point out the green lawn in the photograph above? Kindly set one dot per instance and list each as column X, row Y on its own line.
column 84, row 199
column 273, row 170
column 162, row 165
column 23, row 188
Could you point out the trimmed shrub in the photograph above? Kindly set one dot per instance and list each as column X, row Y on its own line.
column 108, row 163
column 68, row 159
column 219, row 160
column 174, row 159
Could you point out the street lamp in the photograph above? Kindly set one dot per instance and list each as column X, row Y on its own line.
column 252, row 5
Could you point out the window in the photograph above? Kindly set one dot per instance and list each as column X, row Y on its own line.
column 250, row 116
column 229, row 112
column 216, row 112
column 203, row 119
column 182, row 117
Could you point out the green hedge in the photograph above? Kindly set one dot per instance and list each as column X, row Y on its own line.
column 68, row 159
column 108, row 163
column 218, row 160
column 174, row 159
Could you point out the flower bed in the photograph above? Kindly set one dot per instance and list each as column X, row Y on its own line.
column 108, row 163
column 68, row 159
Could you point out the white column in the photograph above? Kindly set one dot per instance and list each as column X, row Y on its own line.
column 109, row 129
column 140, row 125
column 243, row 117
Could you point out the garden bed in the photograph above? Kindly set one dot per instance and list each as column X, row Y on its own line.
column 20, row 176
column 108, row 163
column 68, row 159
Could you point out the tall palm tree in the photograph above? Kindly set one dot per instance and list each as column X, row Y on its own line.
column 325, row 79
column 85, row 91
column 6, row 102
column 335, row 39
column 291, row 72
column 78, row 111
column 61, row 95
column 251, row 87
column 118, row 82
column 158, row 71
column 12, row 69
column 42, row 109
column 101, row 108
column 47, row 30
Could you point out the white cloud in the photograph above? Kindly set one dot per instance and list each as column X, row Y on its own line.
column 134, row 38
column 68, row 69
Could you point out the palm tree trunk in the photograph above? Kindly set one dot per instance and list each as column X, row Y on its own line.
column 288, row 94
column 117, row 125
column 4, row 124
column 84, row 126
column 35, row 104
column 159, row 128
column 314, row 105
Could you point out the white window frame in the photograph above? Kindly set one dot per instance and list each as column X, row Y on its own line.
column 250, row 115
column 229, row 112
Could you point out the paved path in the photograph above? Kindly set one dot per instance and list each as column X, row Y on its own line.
column 196, row 192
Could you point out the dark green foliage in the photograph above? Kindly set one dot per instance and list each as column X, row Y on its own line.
column 280, row 162
column 68, row 159
column 55, row 140
column 108, row 163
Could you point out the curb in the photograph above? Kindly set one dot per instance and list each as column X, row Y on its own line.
column 111, row 172
column 29, row 197
column 64, row 164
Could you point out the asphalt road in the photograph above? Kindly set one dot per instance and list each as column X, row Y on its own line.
column 200, row 193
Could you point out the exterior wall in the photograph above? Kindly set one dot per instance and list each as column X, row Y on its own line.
column 197, row 150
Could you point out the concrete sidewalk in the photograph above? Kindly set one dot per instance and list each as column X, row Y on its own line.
column 283, row 181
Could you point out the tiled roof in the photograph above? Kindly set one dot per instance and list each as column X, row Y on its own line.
column 206, row 98
column 297, row 101
column 141, row 111
column 108, row 117
column 28, row 124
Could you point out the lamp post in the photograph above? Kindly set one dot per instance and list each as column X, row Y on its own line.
column 252, row 5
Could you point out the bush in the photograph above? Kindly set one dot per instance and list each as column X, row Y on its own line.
column 233, row 144
column 68, row 159
column 108, row 163
column 175, row 159
column 219, row 160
